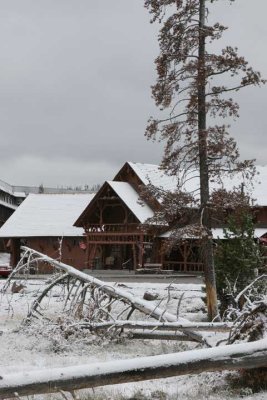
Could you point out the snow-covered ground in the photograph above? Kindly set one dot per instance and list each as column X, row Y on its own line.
column 22, row 349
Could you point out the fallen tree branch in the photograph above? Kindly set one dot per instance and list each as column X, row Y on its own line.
column 44, row 293
column 259, row 278
column 170, row 326
column 114, row 292
column 232, row 357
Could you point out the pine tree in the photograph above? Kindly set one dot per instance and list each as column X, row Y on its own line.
column 193, row 87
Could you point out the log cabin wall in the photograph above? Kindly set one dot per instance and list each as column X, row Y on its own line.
column 72, row 252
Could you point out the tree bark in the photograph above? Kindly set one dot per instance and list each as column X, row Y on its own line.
column 245, row 355
column 208, row 258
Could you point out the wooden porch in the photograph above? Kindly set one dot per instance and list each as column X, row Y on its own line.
column 181, row 266
column 118, row 246
column 108, row 243
column 183, row 258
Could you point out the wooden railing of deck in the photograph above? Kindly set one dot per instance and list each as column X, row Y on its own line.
column 112, row 228
column 182, row 266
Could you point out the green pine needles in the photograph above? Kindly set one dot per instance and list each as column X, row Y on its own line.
column 237, row 257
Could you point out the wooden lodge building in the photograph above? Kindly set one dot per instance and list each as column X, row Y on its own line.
column 114, row 224
column 44, row 222
column 10, row 199
column 109, row 229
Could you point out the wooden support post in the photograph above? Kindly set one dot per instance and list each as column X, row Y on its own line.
column 185, row 257
column 141, row 250
column 15, row 251
column 162, row 255
column 134, row 256
column 87, row 253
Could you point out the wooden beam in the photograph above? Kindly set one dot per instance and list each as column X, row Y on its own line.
column 141, row 250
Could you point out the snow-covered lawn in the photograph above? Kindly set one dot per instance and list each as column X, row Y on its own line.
column 22, row 349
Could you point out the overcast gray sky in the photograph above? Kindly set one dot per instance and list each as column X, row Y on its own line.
column 75, row 80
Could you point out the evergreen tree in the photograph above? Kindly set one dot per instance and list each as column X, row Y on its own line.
column 237, row 257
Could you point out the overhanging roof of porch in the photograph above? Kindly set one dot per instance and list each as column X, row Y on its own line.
column 217, row 233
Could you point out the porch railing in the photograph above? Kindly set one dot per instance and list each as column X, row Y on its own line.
column 112, row 228
column 182, row 266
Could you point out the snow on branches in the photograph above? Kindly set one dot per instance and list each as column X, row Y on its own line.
column 84, row 302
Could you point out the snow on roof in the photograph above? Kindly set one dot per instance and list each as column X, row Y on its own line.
column 150, row 173
column 132, row 200
column 19, row 194
column 217, row 233
column 46, row 215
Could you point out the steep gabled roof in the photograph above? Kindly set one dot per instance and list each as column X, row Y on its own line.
column 132, row 200
column 128, row 196
column 150, row 173
column 44, row 215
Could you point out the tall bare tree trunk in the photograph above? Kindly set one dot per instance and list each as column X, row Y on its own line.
column 204, row 172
